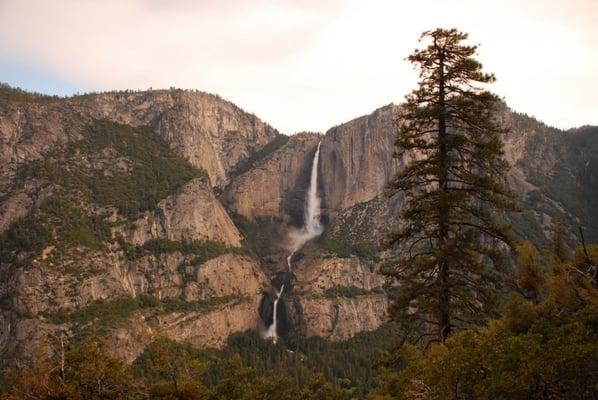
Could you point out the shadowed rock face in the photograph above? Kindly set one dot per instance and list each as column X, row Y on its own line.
column 357, row 159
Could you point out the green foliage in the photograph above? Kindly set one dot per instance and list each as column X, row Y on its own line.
column 248, row 228
column 178, row 305
column 27, row 234
column 558, row 251
column 530, row 274
column 67, row 219
column 156, row 171
column 132, row 252
column 349, row 364
column 342, row 247
column 58, row 221
column 84, row 371
column 172, row 370
column 239, row 382
column 297, row 363
column 550, row 360
column 101, row 315
column 96, row 374
column 9, row 94
column 546, row 348
column 448, row 253
column 350, row 234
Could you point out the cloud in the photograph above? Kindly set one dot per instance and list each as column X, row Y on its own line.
column 306, row 64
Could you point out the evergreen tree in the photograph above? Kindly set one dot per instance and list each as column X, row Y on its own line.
column 450, row 245
column 557, row 248
column 530, row 274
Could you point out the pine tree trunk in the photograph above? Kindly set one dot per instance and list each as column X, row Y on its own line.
column 444, row 323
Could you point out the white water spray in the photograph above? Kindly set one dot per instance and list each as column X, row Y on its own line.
column 311, row 229
column 271, row 332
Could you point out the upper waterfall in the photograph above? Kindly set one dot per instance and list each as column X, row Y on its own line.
column 312, row 211
column 312, row 227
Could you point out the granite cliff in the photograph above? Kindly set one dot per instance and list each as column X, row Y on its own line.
column 134, row 215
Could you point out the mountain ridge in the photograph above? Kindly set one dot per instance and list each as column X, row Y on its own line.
column 204, row 235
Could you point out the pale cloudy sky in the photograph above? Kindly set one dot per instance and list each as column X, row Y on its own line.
column 302, row 65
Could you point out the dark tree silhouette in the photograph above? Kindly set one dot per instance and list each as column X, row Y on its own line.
column 448, row 248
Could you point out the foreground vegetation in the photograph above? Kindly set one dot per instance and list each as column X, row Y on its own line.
column 544, row 345
column 246, row 368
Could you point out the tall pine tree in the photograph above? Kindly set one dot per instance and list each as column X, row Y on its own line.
column 450, row 245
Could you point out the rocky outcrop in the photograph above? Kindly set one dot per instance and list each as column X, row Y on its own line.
column 228, row 275
column 275, row 186
column 318, row 276
column 192, row 214
column 339, row 297
column 200, row 304
column 357, row 159
column 342, row 318
column 356, row 162
column 231, row 288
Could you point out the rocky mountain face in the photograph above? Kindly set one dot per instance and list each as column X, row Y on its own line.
column 211, row 133
column 109, row 222
column 134, row 215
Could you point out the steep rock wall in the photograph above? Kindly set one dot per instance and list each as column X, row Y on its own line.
column 266, row 190
column 197, row 303
column 339, row 297
column 192, row 214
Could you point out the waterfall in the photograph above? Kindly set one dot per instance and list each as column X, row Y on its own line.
column 271, row 332
column 312, row 224
column 311, row 217
column 312, row 228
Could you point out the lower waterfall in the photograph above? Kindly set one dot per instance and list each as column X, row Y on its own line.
column 312, row 228
column 271, row 332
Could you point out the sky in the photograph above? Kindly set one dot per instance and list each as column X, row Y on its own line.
column 302, row 65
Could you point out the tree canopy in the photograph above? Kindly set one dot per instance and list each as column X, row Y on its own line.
column 450, row 245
